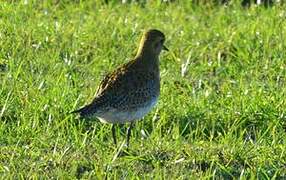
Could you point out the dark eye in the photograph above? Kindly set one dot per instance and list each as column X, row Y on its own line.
column 162, row 41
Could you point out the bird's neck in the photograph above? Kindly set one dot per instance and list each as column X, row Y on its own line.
column 146, row 56
column 148, row 60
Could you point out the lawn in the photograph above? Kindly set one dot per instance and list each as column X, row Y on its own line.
column 221, row 112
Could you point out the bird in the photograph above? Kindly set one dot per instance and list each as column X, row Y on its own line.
column 130, row 92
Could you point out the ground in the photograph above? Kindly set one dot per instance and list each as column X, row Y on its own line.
column 221, row 111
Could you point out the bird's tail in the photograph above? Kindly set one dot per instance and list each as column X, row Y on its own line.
column 84, row 111
column 76, row 111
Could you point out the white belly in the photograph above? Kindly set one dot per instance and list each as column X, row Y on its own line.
column 115, row 116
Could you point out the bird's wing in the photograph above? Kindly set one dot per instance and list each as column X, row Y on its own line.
column 115, row 86
column 103, row 83
column 112, row 77
column 127, row 86
column 109, row 91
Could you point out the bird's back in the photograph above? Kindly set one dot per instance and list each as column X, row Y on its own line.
column 126, row 94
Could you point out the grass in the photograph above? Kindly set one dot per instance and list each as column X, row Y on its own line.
column 224, row 118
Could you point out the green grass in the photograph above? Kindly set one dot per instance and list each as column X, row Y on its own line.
column 225, row 118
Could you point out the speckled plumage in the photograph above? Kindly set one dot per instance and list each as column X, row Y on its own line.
column 129, row 92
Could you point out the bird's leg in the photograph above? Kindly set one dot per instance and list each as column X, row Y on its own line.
column 129, row 134
column 113, row 134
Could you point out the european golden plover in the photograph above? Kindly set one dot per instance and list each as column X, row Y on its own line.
column 132, row 90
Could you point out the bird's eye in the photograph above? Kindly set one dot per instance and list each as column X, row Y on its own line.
column 162, row 41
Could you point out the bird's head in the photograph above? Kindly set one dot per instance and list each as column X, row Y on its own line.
column 152, row 43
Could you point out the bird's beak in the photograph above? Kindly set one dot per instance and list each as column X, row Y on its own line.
column 165, row 48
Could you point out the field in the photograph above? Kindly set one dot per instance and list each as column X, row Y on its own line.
column 221, row 112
